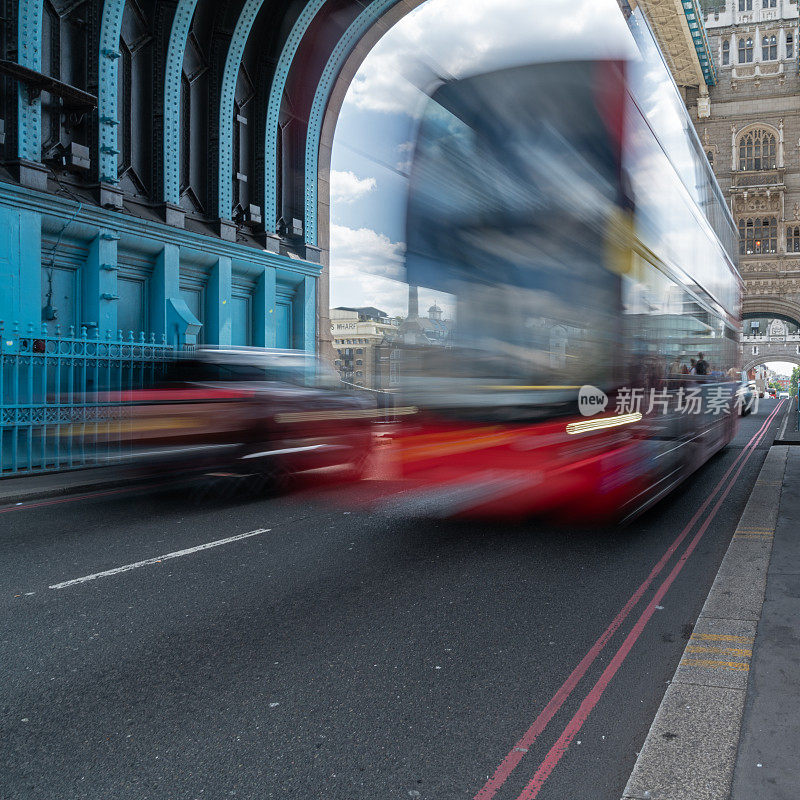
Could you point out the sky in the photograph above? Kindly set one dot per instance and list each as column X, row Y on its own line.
column 373, row 140
column 780, row 367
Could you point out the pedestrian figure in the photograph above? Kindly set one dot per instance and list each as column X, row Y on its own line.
column 701, row 365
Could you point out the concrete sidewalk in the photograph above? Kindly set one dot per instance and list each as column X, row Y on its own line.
column 768, row 758
column 729, row 725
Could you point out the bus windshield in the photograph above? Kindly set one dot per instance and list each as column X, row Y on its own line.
column 515, row 183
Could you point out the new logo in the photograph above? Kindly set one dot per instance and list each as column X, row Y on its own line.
column 591, row 400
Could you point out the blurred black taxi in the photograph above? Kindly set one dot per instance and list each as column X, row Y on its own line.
column 248, row 410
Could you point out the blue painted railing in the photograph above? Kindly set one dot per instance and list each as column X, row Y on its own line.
column 52, row 412
column 694, row 18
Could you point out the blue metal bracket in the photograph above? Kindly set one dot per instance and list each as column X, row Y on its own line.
column 108, row 296
column 344, row 47
column 109, row 267
column 181, row 23
column 694, row 18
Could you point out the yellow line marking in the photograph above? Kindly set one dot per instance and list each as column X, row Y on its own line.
column 729, row 651
column 601, row 423
column 316, row 416
column 513, row 387
column 737, row 666
column 724, row 637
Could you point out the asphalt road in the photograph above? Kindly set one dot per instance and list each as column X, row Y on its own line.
column 342, row 655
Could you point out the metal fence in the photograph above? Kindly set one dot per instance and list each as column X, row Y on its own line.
column 54, row 406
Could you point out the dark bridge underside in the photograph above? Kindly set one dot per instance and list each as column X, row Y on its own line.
column 237, row 103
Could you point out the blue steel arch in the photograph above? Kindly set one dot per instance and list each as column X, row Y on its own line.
column 172, row 99
column 274, row 109
column 108, row 68
column 29, row 50
column 358, row 27
column 227, row 96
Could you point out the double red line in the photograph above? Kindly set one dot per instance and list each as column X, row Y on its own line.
column 515, row 756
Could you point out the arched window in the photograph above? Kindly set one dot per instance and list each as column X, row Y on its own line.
column 757, row 150
column 745, row 51
column 758, row 235
column 726, row 53
column 793, row 239
column 769, row 48
column 789, row 45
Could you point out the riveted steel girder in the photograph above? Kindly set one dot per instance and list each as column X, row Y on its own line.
column 172, row 98
column 29, row 107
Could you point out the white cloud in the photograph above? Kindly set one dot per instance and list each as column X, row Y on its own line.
column 362, row 250
column 367, row 270
column 461, row 37
column 347, row 187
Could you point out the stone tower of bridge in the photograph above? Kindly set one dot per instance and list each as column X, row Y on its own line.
column 749, row 127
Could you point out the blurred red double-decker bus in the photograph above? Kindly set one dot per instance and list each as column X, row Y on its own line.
column 569, row 213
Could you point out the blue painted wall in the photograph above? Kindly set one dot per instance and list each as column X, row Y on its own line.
column 175, row 284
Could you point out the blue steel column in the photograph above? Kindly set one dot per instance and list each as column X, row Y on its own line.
column 274, row 110
column 29, row 54
column 108, row 122
column 264, row 313
column 218, row 322
column 20, row 268
column 227, row 97
column 164, row 284
column 304, row 315
column 100, row 299
column 358, row 27
column 172, row 99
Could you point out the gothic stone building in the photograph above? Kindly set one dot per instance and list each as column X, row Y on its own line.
column 750, row 129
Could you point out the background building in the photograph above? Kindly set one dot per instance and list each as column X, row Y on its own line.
column 749, row 128
column 362, row 337
column 368, row 342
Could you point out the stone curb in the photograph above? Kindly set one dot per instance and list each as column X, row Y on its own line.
column 690, row 750
column 10, row 495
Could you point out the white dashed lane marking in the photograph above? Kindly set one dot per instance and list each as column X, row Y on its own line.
column 158, row 559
